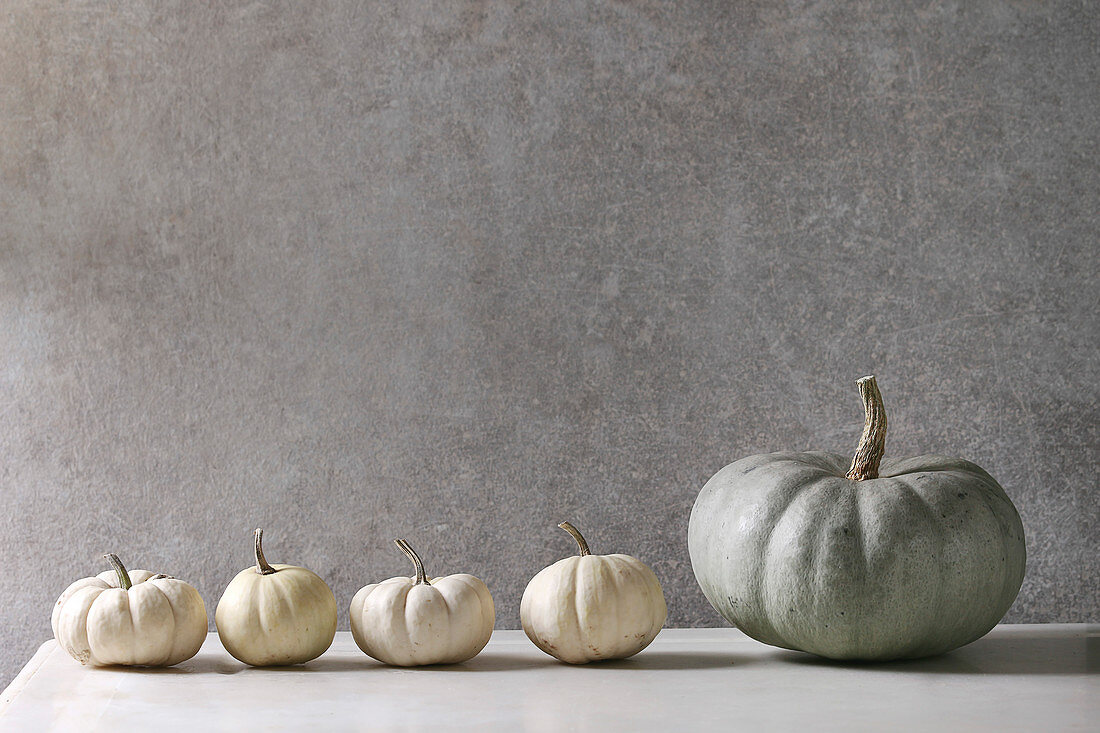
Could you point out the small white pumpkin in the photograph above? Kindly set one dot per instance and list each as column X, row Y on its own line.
column 135, row 618
column 414, row 621
column 276, row 614
column 591, row 607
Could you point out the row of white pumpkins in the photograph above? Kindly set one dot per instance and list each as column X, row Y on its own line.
column 579, row 609
column 871, row 560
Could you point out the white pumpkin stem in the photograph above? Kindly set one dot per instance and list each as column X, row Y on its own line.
column 421, row 576
column 123, row 576
column 577, row 536
column 262, row 566
column 872, row 444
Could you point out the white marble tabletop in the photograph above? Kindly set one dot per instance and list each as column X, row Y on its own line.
column 1018, row 678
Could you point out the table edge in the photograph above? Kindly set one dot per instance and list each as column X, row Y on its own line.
column 16, row 685
column 48, row 647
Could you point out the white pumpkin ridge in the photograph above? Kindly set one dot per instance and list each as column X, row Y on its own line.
column 277, row 614
column 129, row 618
column 592, row 607
column 417, row 621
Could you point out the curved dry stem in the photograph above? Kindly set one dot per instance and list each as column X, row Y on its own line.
column 262, row 566
column 421, row 576
column 872, row 444
column 123, row 576
column 581, row 544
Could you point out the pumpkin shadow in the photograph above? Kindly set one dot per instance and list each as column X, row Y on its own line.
column 481, row 663
column 217, row 665
column 671, row 661
column 491, row 663
column 191, row 666
column 329, row 664
column 1037, row 653
column 652, row 660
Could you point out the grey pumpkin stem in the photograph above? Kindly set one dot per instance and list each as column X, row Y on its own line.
column 872, row 444
column 581, row 544
column 123, row 577
column 405, row 547
column 262, row 566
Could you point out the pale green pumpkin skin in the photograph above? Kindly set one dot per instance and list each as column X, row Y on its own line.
column 923, row 559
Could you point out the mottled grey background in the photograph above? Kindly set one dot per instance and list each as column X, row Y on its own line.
column 458, row 271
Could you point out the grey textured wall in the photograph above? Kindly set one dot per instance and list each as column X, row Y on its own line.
column 459, row 271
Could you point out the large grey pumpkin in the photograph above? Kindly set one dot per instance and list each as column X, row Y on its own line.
column 905, row 558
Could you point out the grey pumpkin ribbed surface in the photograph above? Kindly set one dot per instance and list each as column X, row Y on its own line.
column 923, row 558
